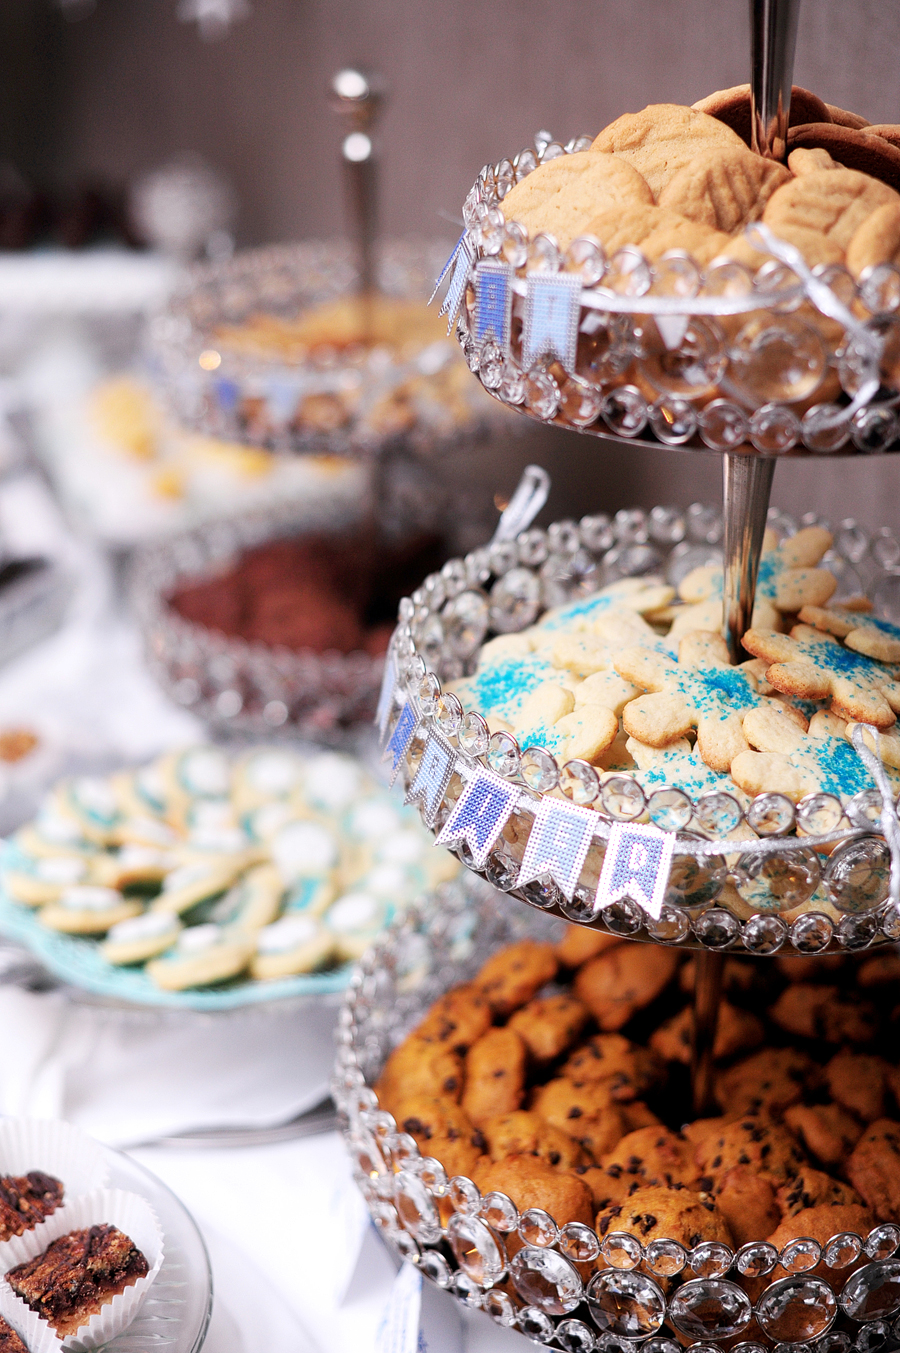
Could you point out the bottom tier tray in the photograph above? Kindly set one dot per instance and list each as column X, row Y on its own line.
column 590, row 1286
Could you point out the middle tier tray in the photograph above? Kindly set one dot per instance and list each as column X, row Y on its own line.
column 756, row 873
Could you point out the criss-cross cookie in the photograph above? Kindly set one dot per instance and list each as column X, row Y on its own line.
column 787, row 580
column 860, row 631
column 700, row 690
column 814, row 665
column 786, row 760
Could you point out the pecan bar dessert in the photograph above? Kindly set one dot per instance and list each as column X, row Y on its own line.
column 9, row 1340
column 25, row 1200
column 78, row 1274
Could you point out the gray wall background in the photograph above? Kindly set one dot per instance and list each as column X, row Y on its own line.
column 124, row 88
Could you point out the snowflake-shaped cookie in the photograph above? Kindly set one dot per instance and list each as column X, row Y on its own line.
column 700, row 690
column 789, row 761
column 678, row 766
column 814, row 666
column 863, row 633
column 786, row 581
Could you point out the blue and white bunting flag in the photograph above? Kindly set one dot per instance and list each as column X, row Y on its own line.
column 552, row 308
column 481, row 813
column 400, row 739
column 432, row 777
column 493, row 302
column 446, row 268
column 462, row 267
column 558, row 843
column 386, row 694
column 636, row 865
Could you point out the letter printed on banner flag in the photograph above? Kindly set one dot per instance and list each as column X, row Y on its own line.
column 386, row 694
column 493, row 302
column 433, row 776
column 400, row 739
column 636, row 865
column 552, row 308
column 480, row 815
column 558, row 843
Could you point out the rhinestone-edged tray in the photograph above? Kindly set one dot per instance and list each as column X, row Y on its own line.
column 661, row 1298
column 231, row 684
column 775, row 360
column 358, row 403
column 831, row 881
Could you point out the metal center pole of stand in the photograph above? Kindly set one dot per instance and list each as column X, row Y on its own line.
column 773, row 38
column 746, row 484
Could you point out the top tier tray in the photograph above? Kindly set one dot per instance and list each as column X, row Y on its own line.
column 807, row 878
column 777, row 360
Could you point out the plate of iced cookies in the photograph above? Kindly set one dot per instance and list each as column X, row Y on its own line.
column 564, row 699
column 209, row 881
column 705, row 296
column 531, row 1133
column 93, row 1250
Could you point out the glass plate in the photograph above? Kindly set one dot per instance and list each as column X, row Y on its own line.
column 176, row 1313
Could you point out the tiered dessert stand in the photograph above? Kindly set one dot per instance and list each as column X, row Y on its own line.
column 470, row 785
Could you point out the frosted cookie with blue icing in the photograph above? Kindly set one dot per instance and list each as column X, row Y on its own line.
column 93, row 803
column 201, row 956
column 254, row 901
column 140, row 938
column 295, row 943
column 788, row 579
column 305, row 848
column 265, row 775
column 89, row 909
column 36, row 880
column 198, row 773
column 786, row 760
column 199, row 881
column 354, row 920
column 815, row 665
column 212, row 824
column 134, row 866
column 877, row 639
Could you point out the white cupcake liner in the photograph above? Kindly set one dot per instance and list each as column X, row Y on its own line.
column 132, row 1215
column 55, row 1147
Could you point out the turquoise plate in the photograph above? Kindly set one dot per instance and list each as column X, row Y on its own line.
column 80, row 963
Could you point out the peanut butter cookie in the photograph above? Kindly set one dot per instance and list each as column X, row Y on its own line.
column 661, row 140
column 562, row 196
column 723, row 187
